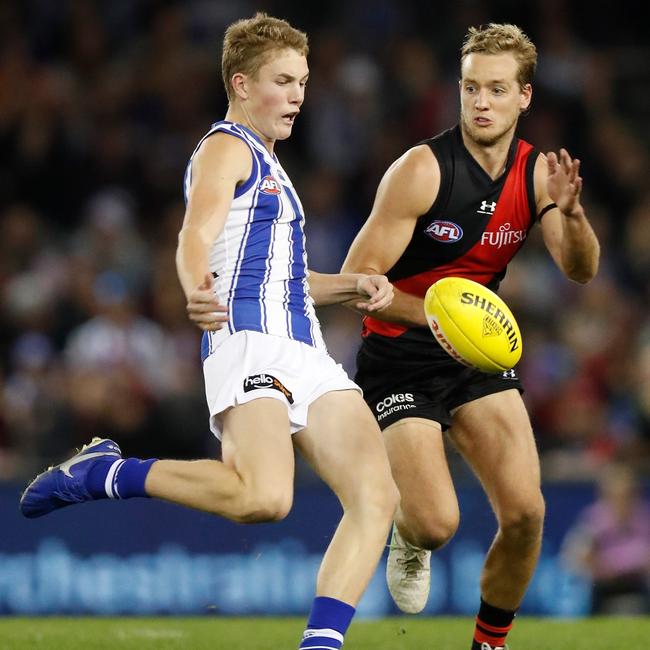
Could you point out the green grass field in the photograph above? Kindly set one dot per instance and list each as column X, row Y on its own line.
column 282, row 634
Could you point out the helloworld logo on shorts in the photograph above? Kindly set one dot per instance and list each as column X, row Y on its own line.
column 268, row 185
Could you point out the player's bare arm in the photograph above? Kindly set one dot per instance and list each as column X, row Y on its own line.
column 408, row 189
column 369, row 293
column 220, row 164
column 568, row 235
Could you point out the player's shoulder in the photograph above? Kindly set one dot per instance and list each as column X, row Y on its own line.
column 410, row 186
column 224, row 149
column 224, row 143
column 417, row 164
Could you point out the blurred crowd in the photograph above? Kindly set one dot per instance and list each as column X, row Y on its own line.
column 102, row 103
column 609, row 544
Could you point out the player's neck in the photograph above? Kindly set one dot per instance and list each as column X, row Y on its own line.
column 493, row 158
column 236, row 113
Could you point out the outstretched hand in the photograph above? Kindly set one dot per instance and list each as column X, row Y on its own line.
column 379, row 291
column 564, row 183
column 203, row 307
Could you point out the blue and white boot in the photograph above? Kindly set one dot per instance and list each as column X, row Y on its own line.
column 66, row 484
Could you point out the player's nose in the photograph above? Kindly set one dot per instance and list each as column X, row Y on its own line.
column 481, row 98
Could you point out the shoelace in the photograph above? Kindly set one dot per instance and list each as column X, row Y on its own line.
column 413, row 562
column 487, row 646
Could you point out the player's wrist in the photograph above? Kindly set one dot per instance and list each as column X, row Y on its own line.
column 359, row 279
column 576, row 213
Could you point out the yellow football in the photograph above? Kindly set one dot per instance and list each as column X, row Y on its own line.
column 473, row 324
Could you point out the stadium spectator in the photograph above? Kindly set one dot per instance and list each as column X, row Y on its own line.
column 610, row 545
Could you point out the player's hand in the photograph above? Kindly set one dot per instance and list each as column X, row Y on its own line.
column 379, row 291
column 203, row 307
column 564, row 183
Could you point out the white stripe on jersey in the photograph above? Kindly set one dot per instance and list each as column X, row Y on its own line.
column 259, row 258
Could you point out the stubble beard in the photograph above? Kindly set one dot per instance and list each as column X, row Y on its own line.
column 480, row 137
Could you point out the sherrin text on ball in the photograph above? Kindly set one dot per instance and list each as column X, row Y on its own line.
column 473, row 324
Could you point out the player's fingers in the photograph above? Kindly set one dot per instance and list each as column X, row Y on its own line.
column 204, row 307
column 565, row 161
column 382, row 294
column 207, row 313
column 378, row 306
column 207, row 282
column 366, row 288
column 551, row 160
column 211, row 327
column 575, row 168
column 208, row 318
column 220, row 314
column 577, row 185
column 380, row 303
column 198, row 296
column 378, row 293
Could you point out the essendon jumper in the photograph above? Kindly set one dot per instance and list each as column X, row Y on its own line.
column 474, row 228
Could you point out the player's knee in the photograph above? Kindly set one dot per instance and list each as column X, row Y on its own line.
column 379, row 498
column 433, row 533
column 390, row 498
column 272, row 506
column 524, row 521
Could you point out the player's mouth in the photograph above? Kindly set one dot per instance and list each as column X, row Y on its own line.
column 289, row 118
column 482, row 121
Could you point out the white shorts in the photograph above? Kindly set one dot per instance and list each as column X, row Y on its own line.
column 248, row 365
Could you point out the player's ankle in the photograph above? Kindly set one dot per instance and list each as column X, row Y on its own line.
column 492, row 626
column 328, row 622
column 118, row 479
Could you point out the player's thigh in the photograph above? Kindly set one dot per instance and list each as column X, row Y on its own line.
column 343, row 444
column 256, row 442
column 418, row 462
column 495, row 436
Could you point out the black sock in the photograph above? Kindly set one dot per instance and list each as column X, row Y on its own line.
column 492, row 626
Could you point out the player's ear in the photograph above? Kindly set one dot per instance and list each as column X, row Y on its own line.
column 526, row 96
column 239, row 83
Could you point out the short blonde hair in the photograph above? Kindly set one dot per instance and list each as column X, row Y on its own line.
column 496, row 38
column 248, row 43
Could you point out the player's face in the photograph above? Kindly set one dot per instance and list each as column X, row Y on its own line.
column 276, row 94
column 491, row 98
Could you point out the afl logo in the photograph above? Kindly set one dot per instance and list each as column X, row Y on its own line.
column 446, row 232
column 269, row 185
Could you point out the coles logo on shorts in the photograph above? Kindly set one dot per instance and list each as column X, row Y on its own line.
column 268, row 185
column 257, row 382
column 446, row 232
column 393, row 403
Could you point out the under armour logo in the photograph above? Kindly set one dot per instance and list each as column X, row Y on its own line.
column 487, row 208
column 509, row 374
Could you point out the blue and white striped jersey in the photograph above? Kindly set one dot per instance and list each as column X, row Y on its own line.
column 259, row 259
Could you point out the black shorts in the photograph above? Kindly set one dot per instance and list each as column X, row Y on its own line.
column 412, row 376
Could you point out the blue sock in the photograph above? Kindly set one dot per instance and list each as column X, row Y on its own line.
column 328, row 622
column 118, row 479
